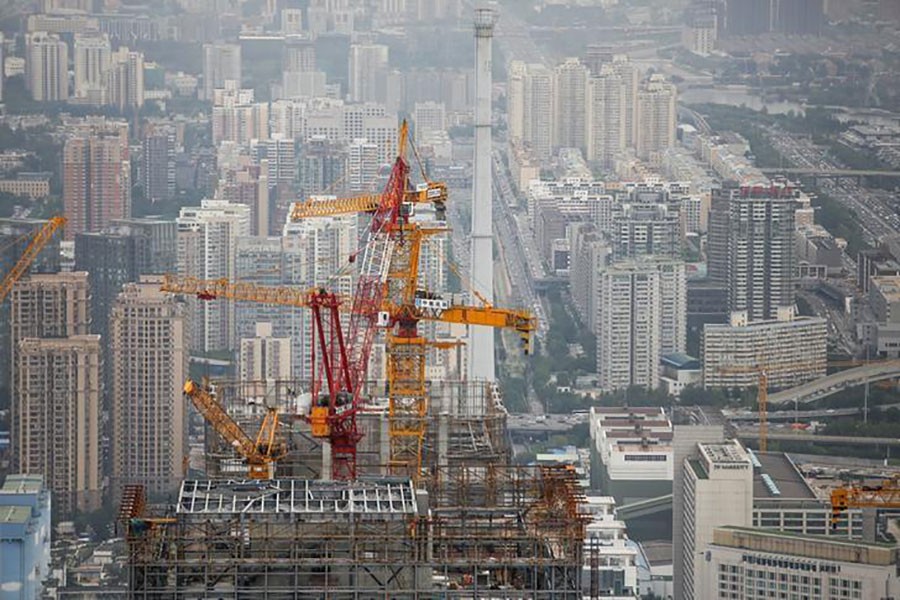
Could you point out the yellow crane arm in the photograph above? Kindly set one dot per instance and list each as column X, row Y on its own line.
column 220, row 420
column 844, row 498
column 328, row 207
column 433, row 192
column 523, row 322
column 37, row 243
column 210, row 289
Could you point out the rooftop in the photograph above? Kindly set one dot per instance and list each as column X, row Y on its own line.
column 22, row 484
column 809, row 546
column 724, row 454
column 14, row 514
column 777, row 477
column 888, row 285
column 379, row 497
column 680, row 360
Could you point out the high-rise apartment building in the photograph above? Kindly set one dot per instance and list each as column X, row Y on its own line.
column 367, row 72
column 125, row 80
column 537, row 115
column 428, row 117
column 299, row 76
column 655, row 119
column 158, row 164
column 58, row 393
column 792, row 352
column 221, row 63
column 646, row 229
column 96, row 181
column 298, row 54
column 92, row 62
column 150, row 339
column 308, row 255
column 718, row 490
column 362, row 165
column 46, row 67
column 278, row 152
column 641, row 315
column 322, row 166
column 44, row 306
column 264, row 357
column 516, row 72
column 606, row 112
column 751, row 249
column 237, row 118
column 206, row 243
column 15, row 234
column 570, row 80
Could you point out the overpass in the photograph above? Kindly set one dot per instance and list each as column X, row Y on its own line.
column 836, row 382
column 644, row 508
column 833, row 440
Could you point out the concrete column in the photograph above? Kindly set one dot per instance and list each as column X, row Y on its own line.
column 481, row 339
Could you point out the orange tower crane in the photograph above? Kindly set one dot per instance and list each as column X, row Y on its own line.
column 396, row 243
column 261, row 453
column 886, row 495
column 406, row 365
column 37, row 243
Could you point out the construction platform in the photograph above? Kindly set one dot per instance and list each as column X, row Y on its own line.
column 466, row 426
column 497, row 532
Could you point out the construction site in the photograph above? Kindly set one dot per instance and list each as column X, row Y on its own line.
column 393, row 485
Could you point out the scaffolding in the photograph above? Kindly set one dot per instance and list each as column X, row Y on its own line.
column 466, row 426
column 500, row 532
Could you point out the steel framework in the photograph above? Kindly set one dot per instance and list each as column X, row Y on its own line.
column 499, row 532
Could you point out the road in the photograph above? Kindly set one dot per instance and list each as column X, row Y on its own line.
column 825, row 386
column 873, row 208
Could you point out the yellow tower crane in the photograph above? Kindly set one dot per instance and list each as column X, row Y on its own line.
column 406, row 362
column 886, row 495
column 37, row 243
column 260, row 454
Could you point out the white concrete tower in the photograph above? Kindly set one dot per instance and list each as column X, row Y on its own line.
column 481, row 339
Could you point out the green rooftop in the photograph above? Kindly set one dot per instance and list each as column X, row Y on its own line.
column 23, row 484
column 15, row 514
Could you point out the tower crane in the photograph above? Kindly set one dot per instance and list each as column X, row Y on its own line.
column 389, row 287
column 261, row 453
column 886, row 495
column 386, row 296
column 37, row 243
column 333, row 413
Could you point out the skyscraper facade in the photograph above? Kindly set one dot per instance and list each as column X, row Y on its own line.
column 718, row 490
column 15, row 235
column 752, row 249
column 58, row 390
column 570, row 80
column 367, row 72
column 605, row 122
column 150, row 340
column 96, row 182
column 92, row 61
column 206, row 244
column 42, row 306
column 47, row 67
column 125, row 80
column 221, row 63
column 655, row 119
column 158, row 162
column 641, row 315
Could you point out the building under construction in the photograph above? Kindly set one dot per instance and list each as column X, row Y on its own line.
column 471, row 532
